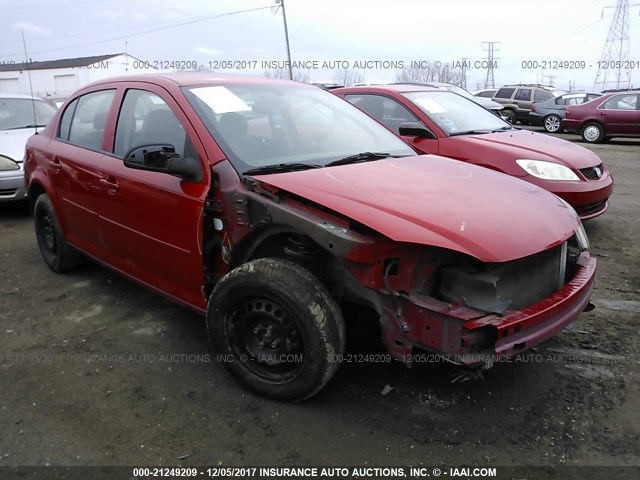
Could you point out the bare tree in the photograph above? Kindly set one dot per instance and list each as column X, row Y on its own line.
column 416, row 74
column 298, row 75
column 429, row 73
column 347, row 77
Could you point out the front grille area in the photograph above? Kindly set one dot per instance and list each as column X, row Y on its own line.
column 496, row 287
column 592, row 173
column 8, row 192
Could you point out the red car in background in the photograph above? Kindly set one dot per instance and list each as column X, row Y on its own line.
column 613, row 115
column 443, row 123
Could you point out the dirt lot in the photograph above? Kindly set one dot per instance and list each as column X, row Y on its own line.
column 98, row 371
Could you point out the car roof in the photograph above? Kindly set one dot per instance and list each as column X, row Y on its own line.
column 400, row 88
column 184, row 79
column 18, row 95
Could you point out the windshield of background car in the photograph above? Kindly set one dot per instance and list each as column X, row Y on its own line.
column 266, row 124
column 455, row 114
column 19, row 113
column 460, row 91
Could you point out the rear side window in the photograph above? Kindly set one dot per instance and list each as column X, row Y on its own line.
column 621, row 102
column 505, row 93
column 89, row 119
column 541, row 96
column 487, row 94
column 523, row 94
column 561, row 101
column 65, row 121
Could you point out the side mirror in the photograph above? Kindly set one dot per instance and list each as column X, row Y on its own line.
column 163, row 159
column 415, row 129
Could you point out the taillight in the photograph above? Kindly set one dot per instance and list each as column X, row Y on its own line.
column 567, row 112
column 533, row 107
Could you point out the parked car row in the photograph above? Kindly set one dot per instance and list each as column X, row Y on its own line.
column 283, row 212
column 596, row 117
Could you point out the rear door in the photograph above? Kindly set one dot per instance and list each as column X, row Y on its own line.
column 151, row 223
column 75, row 158
column 619, row 114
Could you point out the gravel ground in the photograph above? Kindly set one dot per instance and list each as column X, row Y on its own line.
column 97, row 370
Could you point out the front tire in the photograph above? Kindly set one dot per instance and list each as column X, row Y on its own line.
column 510, row 115
column 593, row 132
column 280, row 332
column 552, row 124
column 57, row 254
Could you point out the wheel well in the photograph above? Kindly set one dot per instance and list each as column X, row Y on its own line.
column 35, row 190
column 280, row 241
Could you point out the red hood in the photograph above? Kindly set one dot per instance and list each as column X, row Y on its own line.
column 433, row 200
column 531, row 145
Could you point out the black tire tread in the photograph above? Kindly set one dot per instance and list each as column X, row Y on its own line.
column 306, row 290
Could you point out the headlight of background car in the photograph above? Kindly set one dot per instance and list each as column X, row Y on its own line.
column 546, row 170
column 7, row 164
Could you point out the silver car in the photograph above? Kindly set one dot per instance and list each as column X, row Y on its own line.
column 20, row 117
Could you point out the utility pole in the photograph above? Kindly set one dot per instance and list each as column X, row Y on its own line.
column 615, row 54
column 490, row 48
column 274, row 9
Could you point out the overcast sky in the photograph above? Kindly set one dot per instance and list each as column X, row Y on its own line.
column 326, row 30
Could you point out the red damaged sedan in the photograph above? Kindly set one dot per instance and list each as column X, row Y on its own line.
column 443, row 123
column 275, row 208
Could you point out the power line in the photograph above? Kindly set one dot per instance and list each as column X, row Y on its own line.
column 190, row 22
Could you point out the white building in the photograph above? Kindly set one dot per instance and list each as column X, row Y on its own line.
column 59, row 78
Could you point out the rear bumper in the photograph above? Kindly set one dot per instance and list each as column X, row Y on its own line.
column 571, row 125
column 471, row 338
column 536, row 119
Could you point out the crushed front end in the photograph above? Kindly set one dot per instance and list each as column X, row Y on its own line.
column 474, row 313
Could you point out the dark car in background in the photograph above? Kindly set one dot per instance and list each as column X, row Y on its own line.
column 549, row 114
column 275, row 206
column 612, row 115
column 517, row 99
column 440, row 122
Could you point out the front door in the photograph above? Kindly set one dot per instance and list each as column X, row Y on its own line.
column 150, row 222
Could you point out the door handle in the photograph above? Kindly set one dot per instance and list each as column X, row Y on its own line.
column 110, row 184
column 55, row 164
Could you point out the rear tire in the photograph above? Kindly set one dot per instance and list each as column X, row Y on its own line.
column 593, row 132
column 57, row 254
column 277, row 328
column 552, row 124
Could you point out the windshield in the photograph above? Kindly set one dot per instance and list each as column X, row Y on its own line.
column 18, row 113
column 455, row 114
column 266, row 124
column 460, row 91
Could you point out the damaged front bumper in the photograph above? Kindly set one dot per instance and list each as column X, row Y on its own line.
column 468, row 337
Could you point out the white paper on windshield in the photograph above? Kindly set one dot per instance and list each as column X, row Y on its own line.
column 430, row 105
column 220, row 99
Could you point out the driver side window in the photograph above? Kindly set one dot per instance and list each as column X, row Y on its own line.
column 146, row 119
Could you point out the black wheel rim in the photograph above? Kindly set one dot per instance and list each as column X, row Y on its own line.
column 266, row 339
column 47, row 233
